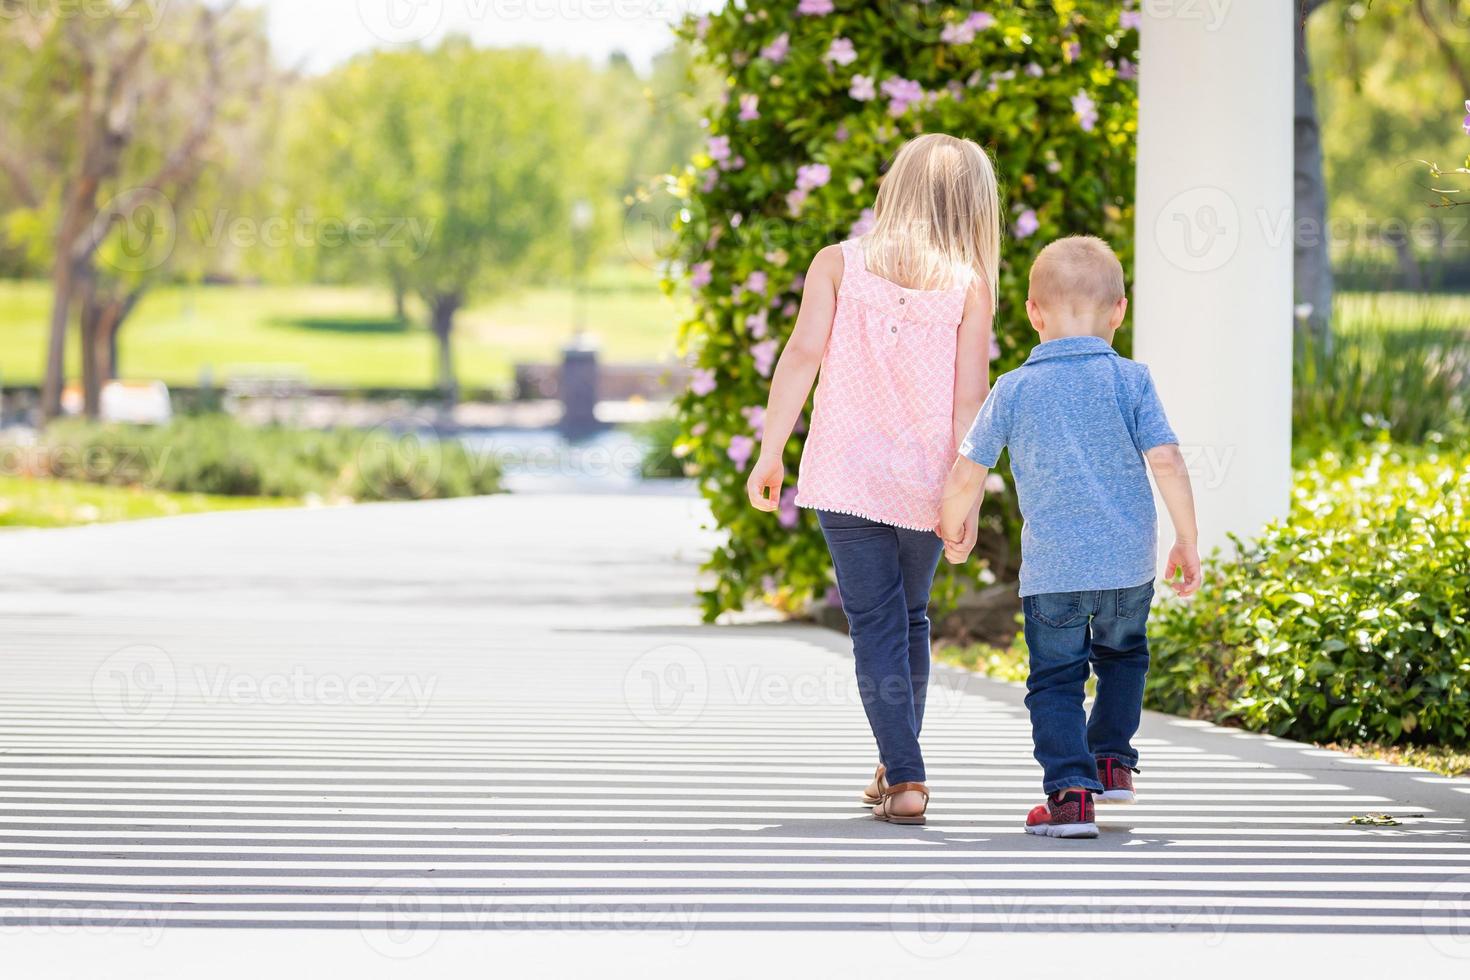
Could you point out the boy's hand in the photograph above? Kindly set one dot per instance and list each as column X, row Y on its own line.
column 766, row 478
column 1183, row 559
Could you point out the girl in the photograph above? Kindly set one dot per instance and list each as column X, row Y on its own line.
column 899, row 322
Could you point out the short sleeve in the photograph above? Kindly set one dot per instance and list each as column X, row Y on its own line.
column 1151, row 427
column 991, row 431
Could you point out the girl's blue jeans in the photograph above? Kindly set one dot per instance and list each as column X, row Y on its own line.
column 1066, row 634
column 884, row 575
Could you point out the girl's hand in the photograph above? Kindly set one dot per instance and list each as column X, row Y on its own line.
column 764, row 485
column 957, row 551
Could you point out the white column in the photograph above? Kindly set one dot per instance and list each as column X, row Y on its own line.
column 1213, row 281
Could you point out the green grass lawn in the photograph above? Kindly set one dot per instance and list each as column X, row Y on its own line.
column 26, row 502
column 339, row 335
column 1405, row 311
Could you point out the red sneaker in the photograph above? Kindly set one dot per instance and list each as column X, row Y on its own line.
column 1064, row 815
column 1117, row 780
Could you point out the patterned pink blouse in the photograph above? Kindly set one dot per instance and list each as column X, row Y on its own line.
column 882, row 433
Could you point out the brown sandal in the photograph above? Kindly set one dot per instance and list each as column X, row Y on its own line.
column 878, row 775
column 881, row 813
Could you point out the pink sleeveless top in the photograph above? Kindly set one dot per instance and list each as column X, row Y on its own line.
column 882, row 432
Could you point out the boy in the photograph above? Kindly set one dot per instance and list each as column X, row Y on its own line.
column 1079, row 421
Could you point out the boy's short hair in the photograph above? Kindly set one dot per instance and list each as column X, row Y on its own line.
column 1079, row 272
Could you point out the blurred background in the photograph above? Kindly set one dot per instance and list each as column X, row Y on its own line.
column 275, row 253
column 247, row 220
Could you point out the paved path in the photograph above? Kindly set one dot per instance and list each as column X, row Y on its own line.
column 491, row 734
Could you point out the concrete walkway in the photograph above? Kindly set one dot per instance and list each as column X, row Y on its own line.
column 444, row 738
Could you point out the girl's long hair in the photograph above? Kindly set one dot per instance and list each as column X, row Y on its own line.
column 937, row 220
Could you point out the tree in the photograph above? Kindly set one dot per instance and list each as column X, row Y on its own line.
column 476, row 156
column 116, row 113
column 1380, row 75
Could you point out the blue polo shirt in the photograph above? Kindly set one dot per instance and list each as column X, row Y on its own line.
column 1077, row 419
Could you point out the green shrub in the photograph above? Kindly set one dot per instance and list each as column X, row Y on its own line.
column 1397, row 368
column 1347, row 621
column 1045, row 85
column 661, row 459
column 214, row 454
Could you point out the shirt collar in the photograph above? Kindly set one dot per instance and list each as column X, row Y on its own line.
column 1069, row 347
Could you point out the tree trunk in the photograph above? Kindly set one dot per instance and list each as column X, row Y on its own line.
column 62, row 277
column 443, row 308
column 400, row 292
column 1313, row 257
column 88, row 317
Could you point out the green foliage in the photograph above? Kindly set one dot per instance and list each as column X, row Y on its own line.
column 661, row 460
column 1347, row 621
column 213, row 454
column 1406, row 375
column 1388, row 78
column 1009, row 85
column 460, row 165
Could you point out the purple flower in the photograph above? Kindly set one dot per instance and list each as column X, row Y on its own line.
column 965, row 31
column 1035, row 70
column 756, row 282
column 813, row 175
column 786, row 514
column 769, row 584
column 758, row 324
column 1127, row 69
column 718, row 148
column 750, row 107
column 994, row 347
column 1467, row 117
column 711, row 178
column 995, row 483
column 840, row 52
column 1130, row 20
column 1086, row 110
column 862, row 88
column 1072, row 50
column 790, row 310
column 901, row 94
column 1026, row 224
column 756, row 416
column 795, row 200
column 702, row 383
column 815, row 8
column 740, row 451
column 775, row 52
column 764, row 354
column 865, row 223
column 700, row 274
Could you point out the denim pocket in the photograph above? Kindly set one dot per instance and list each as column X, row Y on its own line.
column 1134, row 603
column 1055, row 609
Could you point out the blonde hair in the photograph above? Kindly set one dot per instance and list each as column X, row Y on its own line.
column 1080, row 272
column 937, row 220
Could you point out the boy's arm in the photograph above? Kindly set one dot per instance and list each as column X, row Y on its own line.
column 964, row 491
column 1172, row 476
column 792, row 381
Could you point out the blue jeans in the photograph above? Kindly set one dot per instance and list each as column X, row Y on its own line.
column 884, row 575
column 1065, row 632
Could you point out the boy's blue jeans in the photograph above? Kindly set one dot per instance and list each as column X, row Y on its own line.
column 1065, row 633
column 884, row 575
